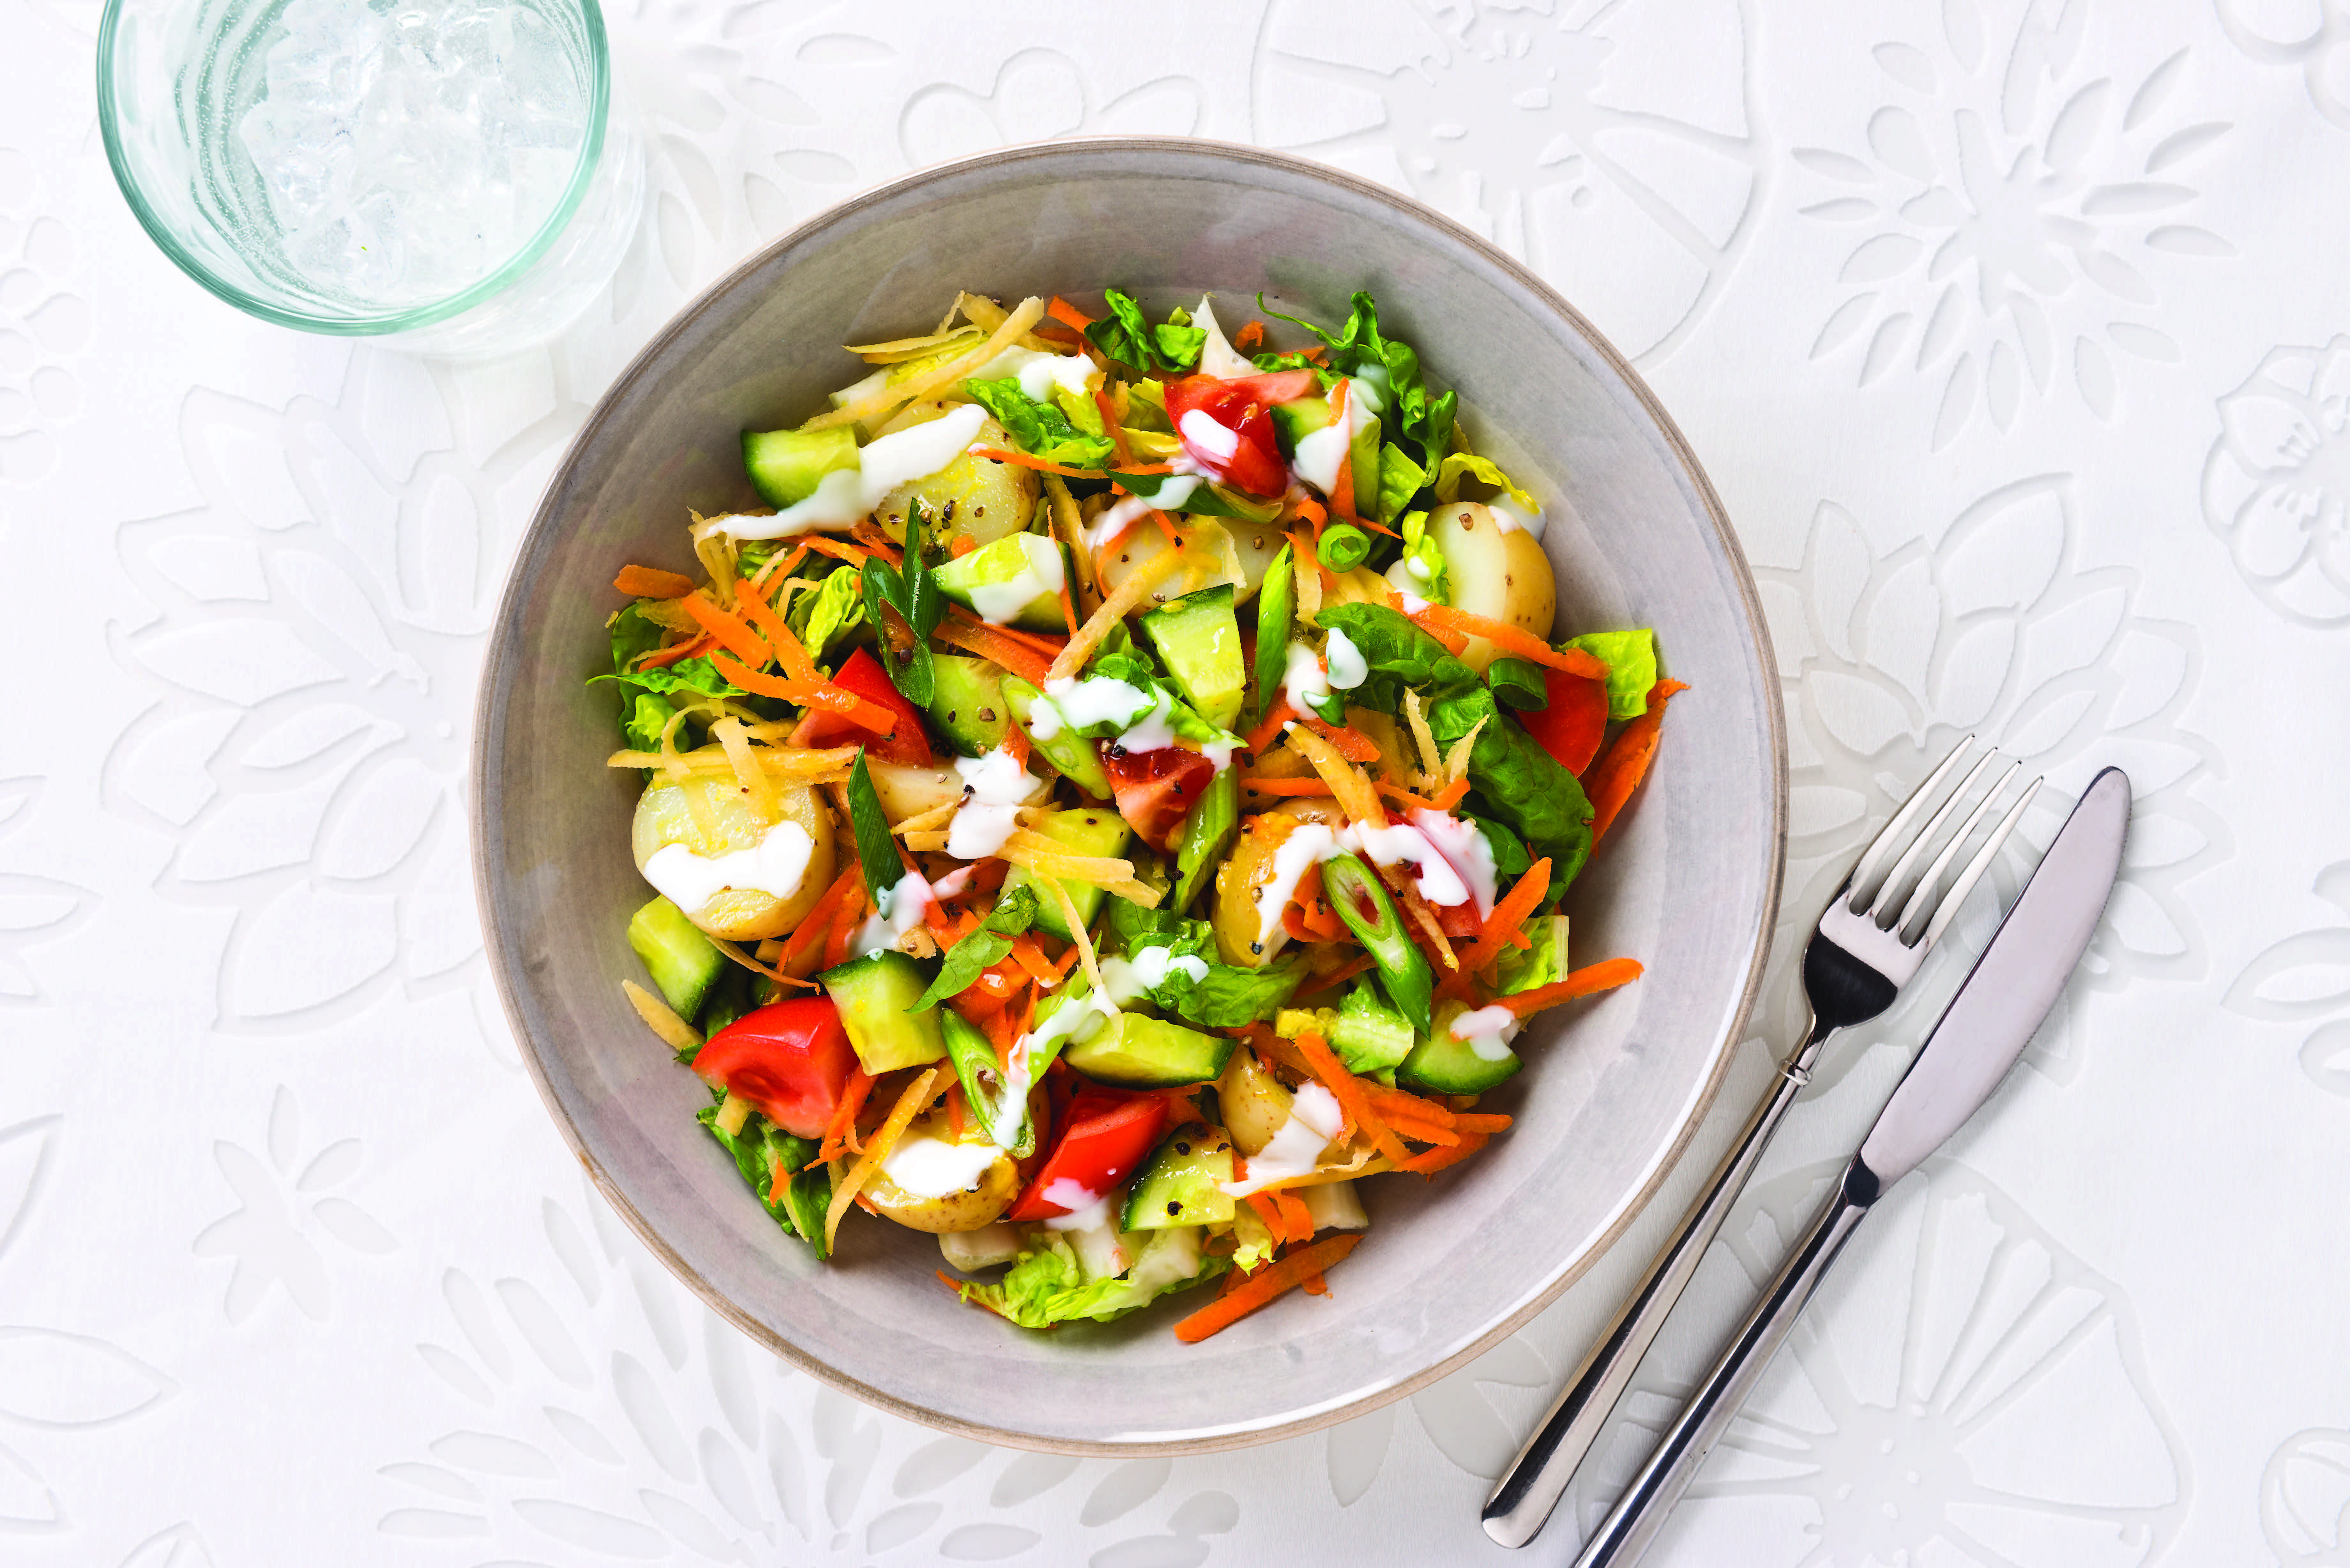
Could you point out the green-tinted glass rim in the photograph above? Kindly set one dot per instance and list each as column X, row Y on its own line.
column 592, row 154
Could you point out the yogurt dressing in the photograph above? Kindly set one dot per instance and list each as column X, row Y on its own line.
column 1207, row 436
column 1133, row 978
column 1320, row 453
column 1509, row 517
column 845, row 494
column 1310, row 844
column 994, row 787
column 1315, row 1119
column 1043, row 577
column 900, row 911
column 1488, row 1032
column 1303, row 679
column 1087, row 1210
column 927, row 1167
column 1467, row 848
column 1348, row 669
column 1399, row 843
column 1039, row 373
column 776, row 865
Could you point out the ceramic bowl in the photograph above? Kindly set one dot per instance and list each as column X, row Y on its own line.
column 1687, row 882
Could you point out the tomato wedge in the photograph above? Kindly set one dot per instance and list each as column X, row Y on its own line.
column 790, row 1059
column 1572, row 726
column 1157, row 790
column 863, row 675
column 1227, row 426
column 1107, row 1133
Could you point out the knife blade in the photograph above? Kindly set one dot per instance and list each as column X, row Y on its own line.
column 2012, row 987
column 1981, row 1033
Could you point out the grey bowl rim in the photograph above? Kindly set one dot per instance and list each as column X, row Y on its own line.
column 1406, row 209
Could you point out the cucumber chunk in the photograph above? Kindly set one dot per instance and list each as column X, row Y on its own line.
column 1068, row 751
column 1100, row 834
column 1198, row 638
column 681, row 960
column 786, row 466
column 1014, row 581
column 1182, row 1185
column 1208, row 832
column 1445, row 1066
column 968, row 704
column 875, row 995
column 1276, row 611
column 1150, row 1052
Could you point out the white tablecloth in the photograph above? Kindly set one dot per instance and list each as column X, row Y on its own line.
column 2014, row 334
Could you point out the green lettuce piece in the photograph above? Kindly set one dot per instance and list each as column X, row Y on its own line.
column 1358, row 349
column 1368, row 1034
column 647, row 716
column 1083, row 412
column 750, row 555
column 1524, row 968
column 1511, row 860
column 1227, row 996
column 1424, row 562
column 823, row 619
column 1517, row 781
column 1041, row 430
column 696, row 674
column 1047, row 1286
column 1129, row 664
column 1396, row 653
column 1460, row 464
column 1273, row 364
column 984, row 945
column 1127, row 335
column 1400, row 479
column 1631, row 660
column 633, row 635
column 758, row 1149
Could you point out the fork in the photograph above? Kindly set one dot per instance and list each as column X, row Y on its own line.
column 1857, row 961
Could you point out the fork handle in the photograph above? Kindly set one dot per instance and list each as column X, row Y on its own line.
column 1640, row 1513
column 1530, row 1488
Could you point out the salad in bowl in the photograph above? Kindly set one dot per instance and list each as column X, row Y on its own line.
column 1118, row 797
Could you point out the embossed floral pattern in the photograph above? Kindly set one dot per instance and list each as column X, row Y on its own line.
column 2312, row 36
column 1587, row 140
column 2305, row 1501
column 34, row 909
column 603, row 1409
column 283, row 1203
column 2305, row 978
column 1891, row 653
column 318, row 624
column 2014, row 200
column 2278, row 479
column 43, row 324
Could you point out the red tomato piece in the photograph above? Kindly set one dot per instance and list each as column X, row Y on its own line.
column 1571, row 728
column 863, row 674
column 1157, row 790
column 1241, row 409
column 1458, row 920
column 1108, row 1132
column 790, row 1059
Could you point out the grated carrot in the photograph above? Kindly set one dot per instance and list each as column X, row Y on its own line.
column 1618, row 773
column 1068, row 314
column 1443, row 619
column 1276, row 718
column 1264, row 1285
column 1296, row 786
column 998, row 455
column 1507, row 917
column 1429, row 1161
column 961, row 544
column 877, row 1148
column 789, row 652
column 1605, row 975
column 819, row 919
column 976, row 636
column 675, row 651
column 1353, row 745
column 730, row 631
column 1248, row 339
column 1295, row 1221
column 841, row 1130
column 1348, row 1092
column 651, row 583
column 862, row 712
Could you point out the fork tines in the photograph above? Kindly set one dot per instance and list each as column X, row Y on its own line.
column 1916, row 898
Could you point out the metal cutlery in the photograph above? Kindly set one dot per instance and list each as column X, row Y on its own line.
column 1982, row 1031
column 1859, row 957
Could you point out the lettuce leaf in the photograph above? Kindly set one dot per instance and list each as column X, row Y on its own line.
column 1400, row 479
column 985, row 945
column 1460, row 464
column 1522, row 969
column 1227, row 996
column 756, row 1149
column 1127, row 335
column 633, row 635
column 647, row 717
column 823, row 619
column 1397, row 653
column 1047, row 1286
column 1424, row 563
column 1631, row 660
column 1517, row 781
column 1041, row 430
column 1359, row 348
column 696, row 674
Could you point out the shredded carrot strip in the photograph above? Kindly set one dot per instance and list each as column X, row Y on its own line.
column 1450, row 794
column 789, row 652
column 819, row 919
column 1442, row 618
column 1397, row 1103
column 961, row 544
column 862, row 712
column 1348, row 1092
column 1068, row 607
column 838, row 549
column 1268, row 1210
column 843, row 1126
column 989, row 642
column 1112, row 428
column 1507, row 917
column 1032, row 958
column 954, row 1111
column 1295, row 1220
column 675, row 651
column 845, row 920
column 1264, row 1285
column 1619, row 773
column 1339, row 976
column 1276, row 718
column 1068, row 314
column 999, row 454
column 651, row 583
column 1353, row 745
column 1044, row 642
column 732, row 636
column 1427, row 1162
column 1248, row 339
column 1605, row 975
column 1015, row 740
column 1402, row 797
column 1423, row 1132
column 1470, row 1122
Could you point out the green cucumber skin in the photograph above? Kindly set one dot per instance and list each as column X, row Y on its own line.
column 1151, row 1054
column 967, row 704
column 1208, row 832
column 1198, row 639
column 1448, row 1066
column 875, row 995
column 682, row 960
column 1186, row 1170
column 1276, row 611
column 1071, row 753
column 1098, row 833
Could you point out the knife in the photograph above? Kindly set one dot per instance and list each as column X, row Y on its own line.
column 1985, row 1028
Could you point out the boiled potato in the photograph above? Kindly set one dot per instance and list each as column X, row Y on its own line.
column 976, row 497
column 667, row 814
column 1250, row 866
column 999, row 1184
column 907, row 790
column 1255, row 1105
column 1500, row 575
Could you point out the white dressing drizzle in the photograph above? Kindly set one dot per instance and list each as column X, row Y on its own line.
column 845, row 494
column 993, row 789
column 1039, row 373
column 1304, row 680
column 926, row 1166
column 1040, row 577
column 1132, row 979
column 776, row 865
column 1509, row 517
column 1207, row 437
column 1348, row 668
column 1320, row 453
column 1310, row 844
column 1488, row 1032
column 1469, row 851
column 1315, row 1119
column 1401, row 844
column 901, row 907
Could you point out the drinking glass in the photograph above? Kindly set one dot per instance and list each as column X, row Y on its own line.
column 446, row 176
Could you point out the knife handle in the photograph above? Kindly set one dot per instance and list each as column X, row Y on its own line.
column 1528, row 1491
column 1648, row 1502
